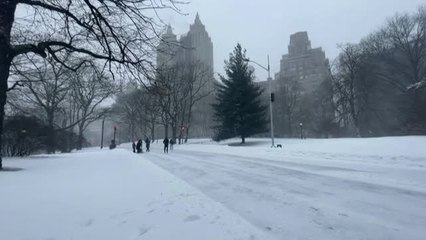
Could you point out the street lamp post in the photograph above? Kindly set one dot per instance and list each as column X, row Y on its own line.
column 115, row 131
column 22, row 143
column 271, row 114
column 102, row 134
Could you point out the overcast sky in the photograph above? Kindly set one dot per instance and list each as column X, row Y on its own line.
column 263, row 27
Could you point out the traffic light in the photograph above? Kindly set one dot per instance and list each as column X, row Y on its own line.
column 272, row 97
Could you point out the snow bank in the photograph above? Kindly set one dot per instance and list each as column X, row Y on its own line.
column 413, row 146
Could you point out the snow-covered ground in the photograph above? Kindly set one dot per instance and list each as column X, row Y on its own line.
column 372, row 188
column 102, row 195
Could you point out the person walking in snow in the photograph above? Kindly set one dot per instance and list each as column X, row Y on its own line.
column 134, row 146
column 172, row 141
column 147, row 143
column 166, row 145
column 139, row 146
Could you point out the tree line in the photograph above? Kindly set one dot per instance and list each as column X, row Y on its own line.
column 60, row 101
column 376, row 87
column 378, row 84
column 165, row 106
column 120, row 36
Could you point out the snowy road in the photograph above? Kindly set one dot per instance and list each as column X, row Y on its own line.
column 108, row 195
column 309, row 195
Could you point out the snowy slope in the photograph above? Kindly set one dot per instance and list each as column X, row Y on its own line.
column 108, row 195
column 371, row 188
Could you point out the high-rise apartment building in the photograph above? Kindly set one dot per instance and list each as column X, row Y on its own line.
column 193, row 48
column 304, row 64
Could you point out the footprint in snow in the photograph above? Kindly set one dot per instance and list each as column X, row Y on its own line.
column 314, row 209
column 169, row 203
column 191, row 218
column 88, row 223
column 127, row 213
column 143, row 231
column 151, row 211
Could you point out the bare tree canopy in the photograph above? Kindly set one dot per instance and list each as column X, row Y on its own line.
column 379, row 83
column 113, row 30
column 121, row 33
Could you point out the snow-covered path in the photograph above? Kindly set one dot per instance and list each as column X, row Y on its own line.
column 108, row 195
column 309, row 195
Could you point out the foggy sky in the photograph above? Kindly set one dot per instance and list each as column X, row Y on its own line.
column 263, row 27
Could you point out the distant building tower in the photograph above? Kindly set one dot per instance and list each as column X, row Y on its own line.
column 197, row 45
column 307, row 66
column 168, row 49
column 197, row 49
column 194, row 48
column 304, row 73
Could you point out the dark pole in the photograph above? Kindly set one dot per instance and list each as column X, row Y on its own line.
column 22, row 143
column 102, row 135
column 271, row 112
column 301, row 130
column 115, row 132
column 271, row 101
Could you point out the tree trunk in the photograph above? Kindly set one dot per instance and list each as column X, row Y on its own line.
column 166, row 130
column 4, row 75
column 152, row 131
column 7, row 15
column 80, row 135
column 189, row 122
column 51, row 136
column 174, row 131
column 290, row 132
column 181, row 126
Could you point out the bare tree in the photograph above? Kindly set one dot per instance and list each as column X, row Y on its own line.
column 126, row 108
column 288, row 96
column 45, row 85
column 150, row 109
column 199, row 80
column 173, row 98
column 89, row 88
column 397, row 53
column 347, row 83
column 291, row 94
column 115, row 31
column 179, row 88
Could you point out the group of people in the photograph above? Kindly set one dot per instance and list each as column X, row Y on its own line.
column 166, row 143
column 137, row 146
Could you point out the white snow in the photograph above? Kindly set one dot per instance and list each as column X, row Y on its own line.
column 369, row 188
column 372, row 188
column 108, row 195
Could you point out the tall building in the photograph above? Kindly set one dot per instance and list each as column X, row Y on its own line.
column 304, row 64
column 168, row 49
column 196, row 48
column 197, row 45
column 299, row 87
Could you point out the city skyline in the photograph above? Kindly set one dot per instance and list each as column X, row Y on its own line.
column 328, row 23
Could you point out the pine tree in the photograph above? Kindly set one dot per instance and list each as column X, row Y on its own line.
column 238, row 108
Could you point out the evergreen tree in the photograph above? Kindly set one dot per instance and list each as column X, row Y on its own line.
column 238, row 108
